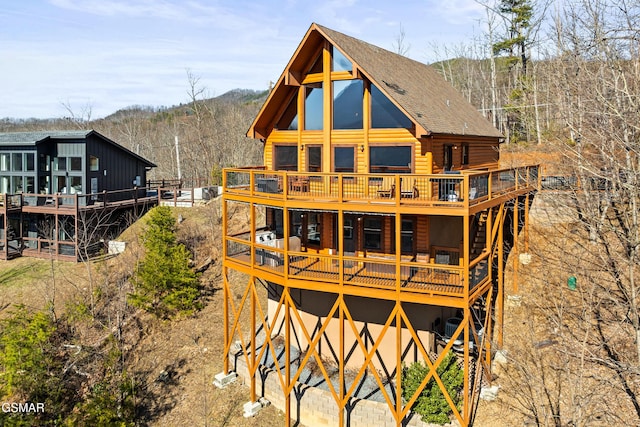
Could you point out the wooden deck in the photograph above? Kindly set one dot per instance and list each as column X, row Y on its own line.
column 76, row 207
column 463, row 189
column 372, row 272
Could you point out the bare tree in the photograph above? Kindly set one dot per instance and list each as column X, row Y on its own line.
column 594, row 331
column 400, row 46
column 202, row 151
column 78, row 118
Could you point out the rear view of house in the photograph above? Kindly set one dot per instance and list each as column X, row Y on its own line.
column 376, row 227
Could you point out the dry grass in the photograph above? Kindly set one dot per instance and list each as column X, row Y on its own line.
column 173, row 362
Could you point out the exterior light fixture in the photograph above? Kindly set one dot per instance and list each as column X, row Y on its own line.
column 362, row 148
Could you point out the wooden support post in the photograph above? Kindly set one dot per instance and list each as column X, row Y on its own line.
column 465, row 255
column 500, row 296
column 526, row 222
column 341, row 414
column 227, row 296
column 398, row 408
column 252, row 359
column 76, row 225
column 466, row 409
column 287, row 357
column 514, row 254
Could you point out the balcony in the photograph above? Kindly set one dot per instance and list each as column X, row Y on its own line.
column 421, row 274
column 459, row 189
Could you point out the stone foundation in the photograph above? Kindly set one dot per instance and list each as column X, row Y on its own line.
column 313, row 407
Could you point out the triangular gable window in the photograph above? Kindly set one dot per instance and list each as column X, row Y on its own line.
column 384, row 113
column 339, row 62
column 289, row 118
column 316, row 68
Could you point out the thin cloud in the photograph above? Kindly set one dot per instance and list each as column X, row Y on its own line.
column 130, row 8
column 456, row 11
column 194, row 12
column 117, row 53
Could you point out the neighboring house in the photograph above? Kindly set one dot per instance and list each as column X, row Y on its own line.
column 49, row 180
column 377, row 225
column 67, row 162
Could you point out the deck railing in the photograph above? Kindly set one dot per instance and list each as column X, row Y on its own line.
column 133, row 195
column 448, row 189
column 359, row 271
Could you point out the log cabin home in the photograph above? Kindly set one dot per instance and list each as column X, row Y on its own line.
column 377, row 227
column 61, row 191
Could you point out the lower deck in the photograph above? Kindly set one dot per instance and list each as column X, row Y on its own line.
column 410, row 275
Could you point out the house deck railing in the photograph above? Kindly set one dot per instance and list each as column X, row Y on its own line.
column 447, row 189
column 136, row 195
column 370, row 271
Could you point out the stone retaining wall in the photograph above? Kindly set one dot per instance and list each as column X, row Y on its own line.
column 313, row 407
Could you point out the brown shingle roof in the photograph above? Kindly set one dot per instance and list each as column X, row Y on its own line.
column 418, row 89
column 431, row 102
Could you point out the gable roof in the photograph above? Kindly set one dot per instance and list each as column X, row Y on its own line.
column 35, row 138
column 432, row 104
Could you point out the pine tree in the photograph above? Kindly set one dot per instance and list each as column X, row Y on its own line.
column 164, row 283
column 518, row 15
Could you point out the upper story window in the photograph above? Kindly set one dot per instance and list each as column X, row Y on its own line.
column 59, row 163
column 94, row 163
column 344, row 159
column 285, row 157
column 384, row 113
column 73, row 164
column 465, row 154
column 339, row 62
column 390, row 159
column 17, row 162
column 314, row 158
column 30, row 162
column 5, row 162
column 347, row 104
column 313, row 111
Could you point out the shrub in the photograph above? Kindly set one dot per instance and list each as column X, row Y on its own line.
column 431, row 405
column 30, row 369
column 25, row 352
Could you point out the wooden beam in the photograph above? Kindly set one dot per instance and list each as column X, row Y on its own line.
column 293, row 78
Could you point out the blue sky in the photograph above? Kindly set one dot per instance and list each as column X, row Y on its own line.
column 111, row 54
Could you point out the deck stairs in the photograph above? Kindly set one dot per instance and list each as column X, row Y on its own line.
column 479, row 234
